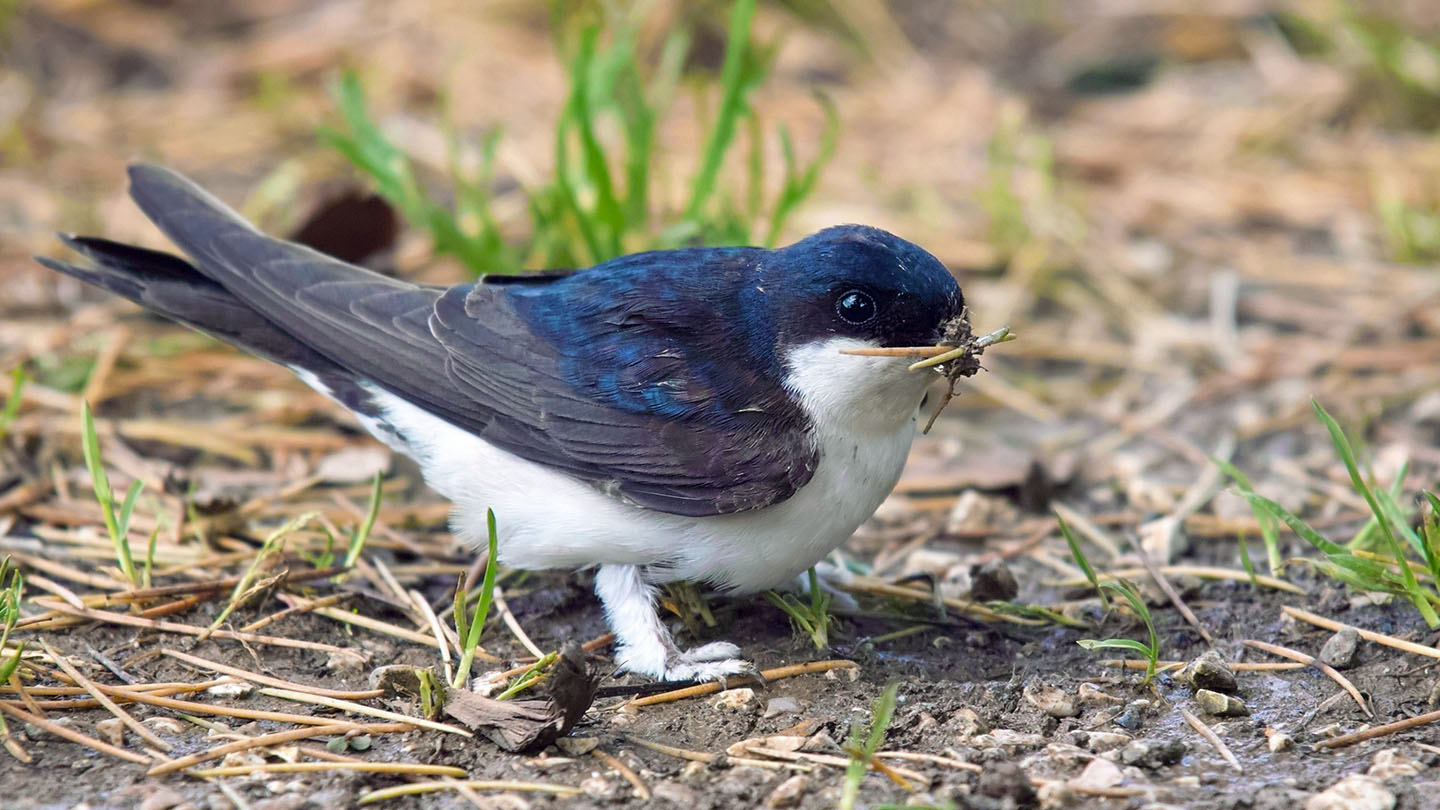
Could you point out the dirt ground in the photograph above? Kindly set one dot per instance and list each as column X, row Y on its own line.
column 1195, row 223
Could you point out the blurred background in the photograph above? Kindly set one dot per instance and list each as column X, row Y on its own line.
column 1196, row 215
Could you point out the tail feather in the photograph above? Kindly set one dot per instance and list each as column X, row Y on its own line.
column 176, row 289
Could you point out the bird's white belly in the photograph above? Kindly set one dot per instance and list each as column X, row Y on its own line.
column 546, row 519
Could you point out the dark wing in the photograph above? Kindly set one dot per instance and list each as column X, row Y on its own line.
column 618, row 392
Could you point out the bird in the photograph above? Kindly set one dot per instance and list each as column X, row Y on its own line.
column 671, row 415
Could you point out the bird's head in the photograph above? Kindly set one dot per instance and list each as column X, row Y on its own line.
column 854, row 287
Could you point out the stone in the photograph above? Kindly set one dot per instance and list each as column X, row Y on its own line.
column 577, row 746
column 1354, row 792
column 1221, row 705
column 734, row 699
column 968, row 723
column 1100, row 773
column 1208, row 671
column 1339, row 649
column 1004, row 780
column 113, row 731
column 1051, row 700
column 993, row 582
column 1098, row 741
column 789, row 793
column 1277, row 740
column 1092, row 695
column 783, row 704
column 675, row 793
column 1152, row 754
column 289, row 801
column 162, row 798
column 1391, row 763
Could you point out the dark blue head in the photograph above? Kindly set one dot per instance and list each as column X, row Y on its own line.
column 858, row 282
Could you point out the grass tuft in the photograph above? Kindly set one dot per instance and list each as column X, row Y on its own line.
column 468, row 627
column 117, row 524
column 1393, row 572
column 1151, row 651
column 603, row 200
column 862, row 752
column 813, row 619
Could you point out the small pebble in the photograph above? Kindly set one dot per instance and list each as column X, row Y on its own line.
column 163, row 798
column 1208, row 671
column 776, row 706
column 790, row 792
column 1152, row 754
column 1221, row 705
column 968, row 723
column 164, row 725
column 1339, row 649
column 1354, row 792
column 1392, row 762
column 597, row 787
column 820, row 743
column 1277, row 740
column 231, row 689
column 1092, row 695
column 734, row 698
column 289, row 801
column 113, row 731
column 1098, row 741
column 675, row 793
column 577, row 746
column 1005, row 780
column 1099, row 773
column 993, row 582
column 1051, row 700
column 1131, row 719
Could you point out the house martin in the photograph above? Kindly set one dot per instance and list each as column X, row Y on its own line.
column 674, row 415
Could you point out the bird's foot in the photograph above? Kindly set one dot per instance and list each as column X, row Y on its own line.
column 715, row 661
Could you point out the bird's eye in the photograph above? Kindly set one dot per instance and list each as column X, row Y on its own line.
column 855, row 306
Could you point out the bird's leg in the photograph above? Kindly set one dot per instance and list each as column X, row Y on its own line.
column 644, row 646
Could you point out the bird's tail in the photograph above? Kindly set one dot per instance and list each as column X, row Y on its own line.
column 174, row 288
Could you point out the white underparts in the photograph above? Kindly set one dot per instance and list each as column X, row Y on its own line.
column 863, row 414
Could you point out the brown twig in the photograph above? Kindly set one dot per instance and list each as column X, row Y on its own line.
column 191, row 630
column 1381, row 731
column 336, row 728
column 104, row 700
column 1212, row 738
column 71, row 734
column 1296, row 655
column 778, row 673
column 641, row 791
column 356, row 708
column 255, row 677
column 1368, row 635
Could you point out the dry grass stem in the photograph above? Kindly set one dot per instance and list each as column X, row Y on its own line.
column 498, row 603
column 104, row 700
column 356, row 708
column 416, row 788
column 255, row 677
column 1212, row 738
column 72, row 735
column 337, row 729
column 1296, row 655
column 411, row 768
column 776, row 674
column 1368, row 635
column 641, row 791
column 191, row 630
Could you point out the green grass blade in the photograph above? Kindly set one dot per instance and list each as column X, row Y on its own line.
column 1300, row 527
column 1115, row 644
column 128, row 507
column 1267, row 523
column 471, row 637
column 1347, row 455
column 90, row 444
column 357, row 540
column 799, row 185
column 733, row 81
column 1080, row 560
column 18, row 379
